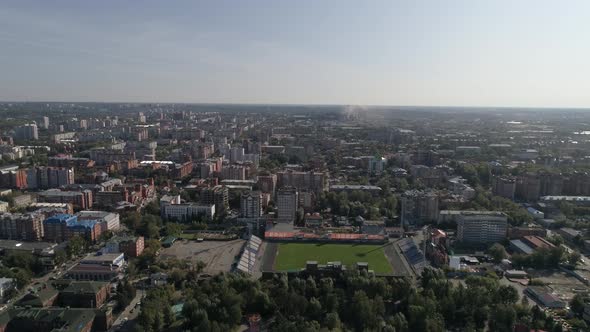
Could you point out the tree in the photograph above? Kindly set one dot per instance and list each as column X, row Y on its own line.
column 76, row 246
column 153, row 208
column 105, row 236
column 125, row 293
column 150, row 230
column 555, row 239
column 400, row 323
column 361, row 311
column 60, row 257
column 566, row 208
column 502, row 318
column 22, row 276
column 574, row 258
column 577, row 304
column 332, row 321
column 498, row 252
column 172, row 229
column 25, row 261
column 507, row 294
column 132, row 221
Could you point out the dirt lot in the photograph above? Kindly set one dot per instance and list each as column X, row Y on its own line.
column 564, row 285
column 218, row 255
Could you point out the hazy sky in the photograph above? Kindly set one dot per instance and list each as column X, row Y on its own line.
column 468, row 53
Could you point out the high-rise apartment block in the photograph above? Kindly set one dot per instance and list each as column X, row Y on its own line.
column 504, row 186
column 482, row 228
column 314, row 181
column 251, row 204
column 287, row 200
column 27, row 132
column 419, row 207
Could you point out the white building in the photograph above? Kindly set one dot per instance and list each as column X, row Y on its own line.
column 186, row 211
column 6, row 284
column 482, row 228
column 3, row 206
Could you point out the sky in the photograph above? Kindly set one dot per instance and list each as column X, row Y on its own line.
column 525, row 53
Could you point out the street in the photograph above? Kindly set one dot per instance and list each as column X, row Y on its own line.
column 126, row 318
column 59, row 272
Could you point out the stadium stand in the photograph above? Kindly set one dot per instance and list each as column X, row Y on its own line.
column 248, row 257
column 413, row 255
column 328, row 237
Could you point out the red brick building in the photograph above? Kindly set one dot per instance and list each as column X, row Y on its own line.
column 84, row 294
column 132, row 247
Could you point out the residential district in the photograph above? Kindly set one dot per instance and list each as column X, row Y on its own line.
column 177, row 217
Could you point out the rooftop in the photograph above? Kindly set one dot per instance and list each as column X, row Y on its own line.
column 522, row 246
column 354, row 187
column 82, row 287
column 20, row 245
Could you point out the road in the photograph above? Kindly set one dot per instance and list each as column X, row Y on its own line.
column 126, row 319
column 59, row 272
column 519, row 288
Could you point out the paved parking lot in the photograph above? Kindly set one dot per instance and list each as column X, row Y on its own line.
column 218, row 255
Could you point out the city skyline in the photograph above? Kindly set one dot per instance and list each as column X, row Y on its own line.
column 525, row 54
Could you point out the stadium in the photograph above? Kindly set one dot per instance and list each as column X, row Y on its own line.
column 296, row 251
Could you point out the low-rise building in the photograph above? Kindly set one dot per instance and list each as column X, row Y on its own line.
column 100, row 268
column 53, row 319
column 519, row 247
column 537, row 242
column 84, row 294
column 516, row 274
column 313, row 220
column 532, row 230
column 545, row 298
column 348, row 188
column 569, row 234
column 22, row 200
column 158, row 279
column 373, row 227
column 6, row 286
column 3, row 206
column 131, row 246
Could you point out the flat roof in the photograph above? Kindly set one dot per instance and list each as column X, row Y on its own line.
column 354, row 186
column 522, row 246
column 102, row 258
column 565, row 198
column 22, row 245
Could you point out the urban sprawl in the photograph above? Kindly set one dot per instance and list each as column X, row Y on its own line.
column 179, row 217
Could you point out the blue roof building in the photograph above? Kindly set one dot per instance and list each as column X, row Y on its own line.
column 61, row 218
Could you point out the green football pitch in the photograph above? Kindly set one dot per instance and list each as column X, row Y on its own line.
column 292, row 256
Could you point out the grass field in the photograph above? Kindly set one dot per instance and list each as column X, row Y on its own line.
column 189, row 236
column 292, row 256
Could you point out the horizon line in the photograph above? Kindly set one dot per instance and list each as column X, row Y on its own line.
column 294, row 104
